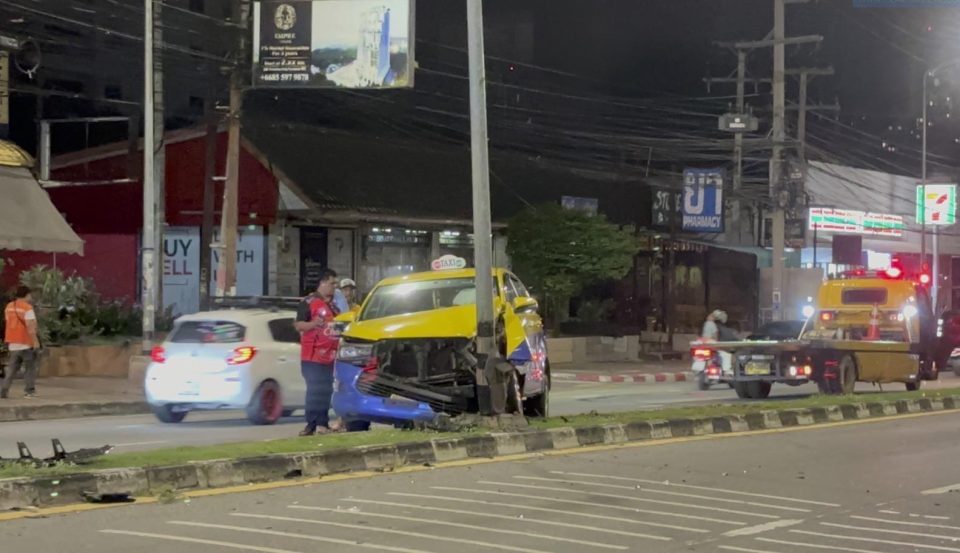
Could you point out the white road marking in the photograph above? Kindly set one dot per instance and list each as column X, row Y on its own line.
column 761, row 528
column 629, row 497
column 678, row 494
column 132, row 444
column 546, row 510
column 903, row 522
column 943, row 490
column 457, row 525
column 369, row 528
column 226, row 544
column 352, row 543
column 874, row 540
column 526, row 520
column 818, row 546
column 935, row 517
column 724, row 500
column 744, row 549
column 704, row 488
column 887, row 531
column 592, row 504
column 890, row 512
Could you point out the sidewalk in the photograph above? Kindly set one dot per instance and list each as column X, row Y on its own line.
column 71, row 397
column 634, row 372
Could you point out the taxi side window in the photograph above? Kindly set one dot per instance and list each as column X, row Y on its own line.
column 508, row 292
column 518, row 286
column 282, row 330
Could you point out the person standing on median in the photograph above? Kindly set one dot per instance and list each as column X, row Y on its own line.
column 22, row 342
column 319, row 340
column 349, row 288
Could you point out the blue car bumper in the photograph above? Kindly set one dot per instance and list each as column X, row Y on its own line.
column 352, row 404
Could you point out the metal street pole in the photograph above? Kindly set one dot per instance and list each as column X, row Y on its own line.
column 923, row 189
column 935, row 277
column 779, row 135
column 482, row 228
column 149, row 235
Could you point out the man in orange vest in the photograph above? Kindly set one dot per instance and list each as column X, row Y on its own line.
column 22, row 341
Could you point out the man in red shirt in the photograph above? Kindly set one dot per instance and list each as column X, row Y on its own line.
column 319, row 340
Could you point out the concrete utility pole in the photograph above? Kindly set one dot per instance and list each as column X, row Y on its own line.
column 153, row 173
column 209, row 190
column 776, row 159
column 482, row 227
column 229, row 220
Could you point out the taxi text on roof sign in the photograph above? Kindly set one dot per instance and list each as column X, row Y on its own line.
column 448, row 262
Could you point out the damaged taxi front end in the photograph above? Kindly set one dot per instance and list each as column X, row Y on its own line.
column 411, row 353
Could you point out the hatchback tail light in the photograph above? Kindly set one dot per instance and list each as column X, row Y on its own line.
column 242, row 355
column 827, row 316
column 158, row 354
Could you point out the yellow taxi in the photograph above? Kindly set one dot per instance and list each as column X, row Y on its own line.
column 410, row 354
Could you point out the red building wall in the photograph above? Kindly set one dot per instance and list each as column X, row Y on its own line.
column 109, row 217
column 110, row 259
column 118, row 208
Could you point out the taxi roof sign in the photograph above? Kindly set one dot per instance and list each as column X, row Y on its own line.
column 448, row 262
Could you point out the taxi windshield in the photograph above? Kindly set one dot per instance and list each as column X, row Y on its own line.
column 415, row 297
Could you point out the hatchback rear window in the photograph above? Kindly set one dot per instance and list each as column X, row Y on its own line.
column 208, row 332
column 864, row 296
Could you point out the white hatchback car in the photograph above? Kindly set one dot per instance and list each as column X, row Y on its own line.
column 228, row 359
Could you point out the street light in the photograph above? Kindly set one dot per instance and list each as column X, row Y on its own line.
column 935, row 288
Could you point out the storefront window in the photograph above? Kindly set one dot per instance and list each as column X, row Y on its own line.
column 393, row 251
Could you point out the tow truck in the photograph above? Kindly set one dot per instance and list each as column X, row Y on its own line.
column 865, row 326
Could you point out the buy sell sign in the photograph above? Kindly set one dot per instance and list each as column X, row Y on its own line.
column 937, row 204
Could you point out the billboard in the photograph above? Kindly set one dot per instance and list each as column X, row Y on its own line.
column 851, row 221
column 703, row 200
column 937, row 203
column 586, row 205
column 333, row 43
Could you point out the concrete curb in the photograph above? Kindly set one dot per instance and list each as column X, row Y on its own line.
column 26, row 493
column 656, row 378
column 71, row 410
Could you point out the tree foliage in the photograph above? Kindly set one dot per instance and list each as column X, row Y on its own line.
column 559, row 251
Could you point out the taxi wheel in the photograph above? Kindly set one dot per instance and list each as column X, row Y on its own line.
column 266, row 406
column 538, row 406
column 913, row 386
column 514, row 399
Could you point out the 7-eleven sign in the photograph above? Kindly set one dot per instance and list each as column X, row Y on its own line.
column 937, row 204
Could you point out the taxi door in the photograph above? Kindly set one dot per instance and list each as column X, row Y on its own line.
column 523, row 324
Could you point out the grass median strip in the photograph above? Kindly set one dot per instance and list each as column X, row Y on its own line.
column 182, row 455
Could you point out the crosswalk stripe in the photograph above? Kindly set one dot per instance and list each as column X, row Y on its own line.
column 818, row 546
column 456, row 525
column 541, row 498
column 631, row 498
column 703, row 488
column 552, row 511
column 368, row 528
column 906, row 523
column 888, row 531
column 526, row 520
column 875, row 540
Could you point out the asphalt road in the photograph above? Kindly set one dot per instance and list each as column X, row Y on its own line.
column 881, row 487
column 141, row 432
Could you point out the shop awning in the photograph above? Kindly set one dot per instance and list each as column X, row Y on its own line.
column 28, row 219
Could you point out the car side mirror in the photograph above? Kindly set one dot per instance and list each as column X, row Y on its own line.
column 525, row 304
